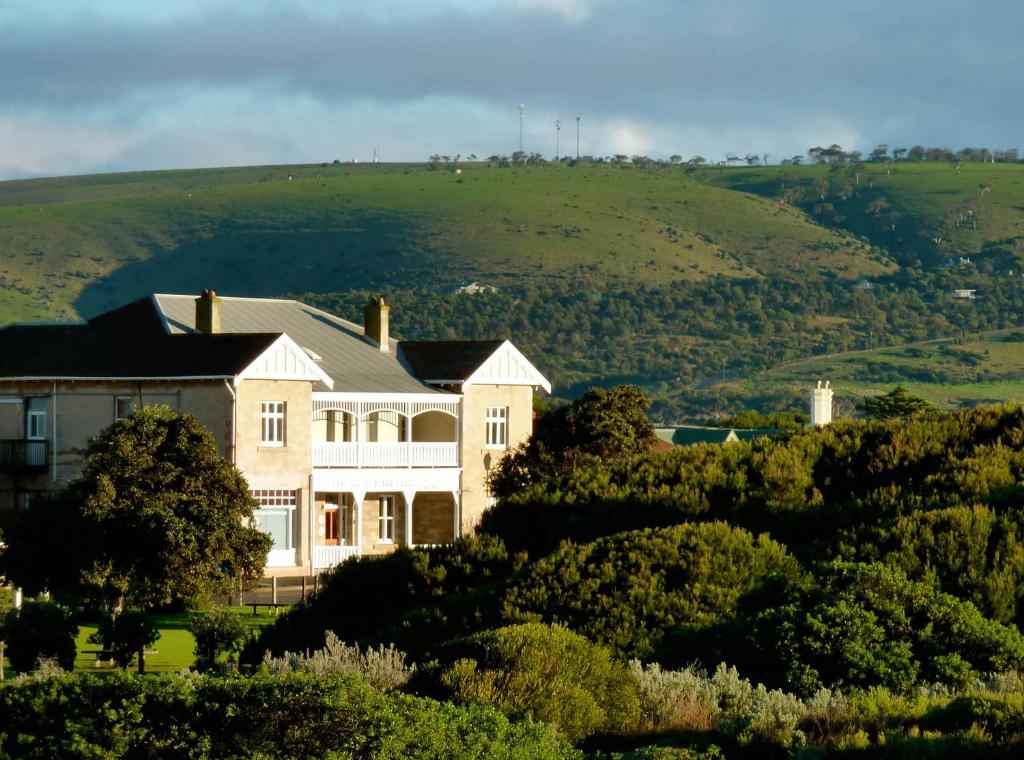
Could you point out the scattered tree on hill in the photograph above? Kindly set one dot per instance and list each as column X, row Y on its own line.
column 156, row 515
column 899, row 402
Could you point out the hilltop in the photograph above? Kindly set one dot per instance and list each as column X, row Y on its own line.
column 80, row 245
column 695, row 284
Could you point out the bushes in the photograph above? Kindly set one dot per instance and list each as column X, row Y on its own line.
column 631, row 590
column 412, row 598
column 293, row 716
column 216, row 632
column 39, row 630
column 383, row 668
column 868, row 625
column 548, row 672
column 126, row 636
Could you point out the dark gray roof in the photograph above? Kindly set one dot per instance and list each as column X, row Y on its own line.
column 129, row 342
column 447, row 359
column 336, row 344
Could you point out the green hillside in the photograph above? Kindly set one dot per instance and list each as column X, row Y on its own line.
column 84, row 244
column 711, row 288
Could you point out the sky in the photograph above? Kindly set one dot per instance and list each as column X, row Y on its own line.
column 113, row 85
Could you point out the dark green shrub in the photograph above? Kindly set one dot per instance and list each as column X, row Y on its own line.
column 630, row 590
column 411, row 598
column 39, row 629
column 867, row 625
column 125, row 636
column 550, row 673
column 293, row 716
column 216, row 632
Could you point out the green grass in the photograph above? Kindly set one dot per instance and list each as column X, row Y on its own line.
column 80, row 245
column 173, row 651
column 923, row 200
column 987, row 368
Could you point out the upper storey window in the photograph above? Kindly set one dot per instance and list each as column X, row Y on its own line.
column 272, row 421
column 497, row 427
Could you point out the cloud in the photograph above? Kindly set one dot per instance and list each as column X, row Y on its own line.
column 120, row 87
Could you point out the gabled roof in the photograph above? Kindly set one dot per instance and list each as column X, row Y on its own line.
column 337, row 345
column 471, row 362
column 103, row 351
column 446, row 360
column 687, row 435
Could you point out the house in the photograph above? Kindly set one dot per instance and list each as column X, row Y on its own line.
column 965, row 294
column 351, row 442
column 688, row 435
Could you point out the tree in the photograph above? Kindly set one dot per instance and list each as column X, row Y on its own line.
column 156, row 515
column 899, row 402
column 216, row 632
column 39, row 630
column 603, row 424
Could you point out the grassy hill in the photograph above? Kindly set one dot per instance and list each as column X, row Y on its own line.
column 80, row 245
column 709, row 289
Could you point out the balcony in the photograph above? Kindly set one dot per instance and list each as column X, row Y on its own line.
column 325, row 557
column 22, row 454
column 362, row 454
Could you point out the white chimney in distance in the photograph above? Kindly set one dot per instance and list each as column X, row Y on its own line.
column 821, row 405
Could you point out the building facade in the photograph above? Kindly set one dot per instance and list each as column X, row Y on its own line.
column 351, row 442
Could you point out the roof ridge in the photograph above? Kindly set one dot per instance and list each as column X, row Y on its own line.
column 230, row 298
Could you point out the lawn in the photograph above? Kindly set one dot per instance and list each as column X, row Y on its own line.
column 173, row 651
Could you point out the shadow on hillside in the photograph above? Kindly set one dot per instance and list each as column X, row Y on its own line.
column 315, row 256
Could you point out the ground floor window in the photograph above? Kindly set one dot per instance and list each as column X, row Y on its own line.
column 387, row 519
column 276, row 516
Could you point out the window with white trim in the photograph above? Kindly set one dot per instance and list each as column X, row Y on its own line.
column 123, row 406
column 35, row 425
column 272, row 422
column 497, row 427
column 387, row 519
column 276, row 515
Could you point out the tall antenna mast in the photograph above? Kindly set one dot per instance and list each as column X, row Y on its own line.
column 558, row 129
column 578, row 118
column 522, row 117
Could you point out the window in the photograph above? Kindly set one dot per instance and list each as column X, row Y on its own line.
column 272, row 420
column 35, row 424
column 497, row 427
column 275, row 516
column 123, row 406
column 387, row 519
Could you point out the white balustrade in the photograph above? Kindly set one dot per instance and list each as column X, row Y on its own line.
column 363, row 454
column 328, row 556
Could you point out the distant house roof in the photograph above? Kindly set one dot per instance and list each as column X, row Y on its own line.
column 692, row 434
column 337, row 345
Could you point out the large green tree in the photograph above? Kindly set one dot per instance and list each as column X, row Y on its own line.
column 606, row 423
column 899, row 402
column 156, row 515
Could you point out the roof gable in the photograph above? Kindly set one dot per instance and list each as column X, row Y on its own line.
column 508, row 366
column 284, row 360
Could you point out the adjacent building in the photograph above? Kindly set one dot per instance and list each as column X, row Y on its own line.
column 351, row 442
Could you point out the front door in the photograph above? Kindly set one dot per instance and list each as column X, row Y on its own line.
column 332, row 525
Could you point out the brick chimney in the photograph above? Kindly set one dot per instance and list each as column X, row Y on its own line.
column 208, row 313
column 375, row 321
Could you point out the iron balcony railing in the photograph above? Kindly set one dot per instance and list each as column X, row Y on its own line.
column 23, row 454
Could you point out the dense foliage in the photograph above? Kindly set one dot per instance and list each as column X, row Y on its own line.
column 550, row 673
column 632, row 590
column 602, row 424
column 289, row 716
column 39, row 630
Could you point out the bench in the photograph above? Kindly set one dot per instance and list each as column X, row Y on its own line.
column 269, row 605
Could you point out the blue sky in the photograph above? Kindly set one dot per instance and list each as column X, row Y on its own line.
column 114, row 85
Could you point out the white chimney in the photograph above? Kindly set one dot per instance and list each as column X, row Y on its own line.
column 821, row 405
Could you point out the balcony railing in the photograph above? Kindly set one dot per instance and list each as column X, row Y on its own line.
column 328, row 556
column 362, row 454
column 22, row 454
